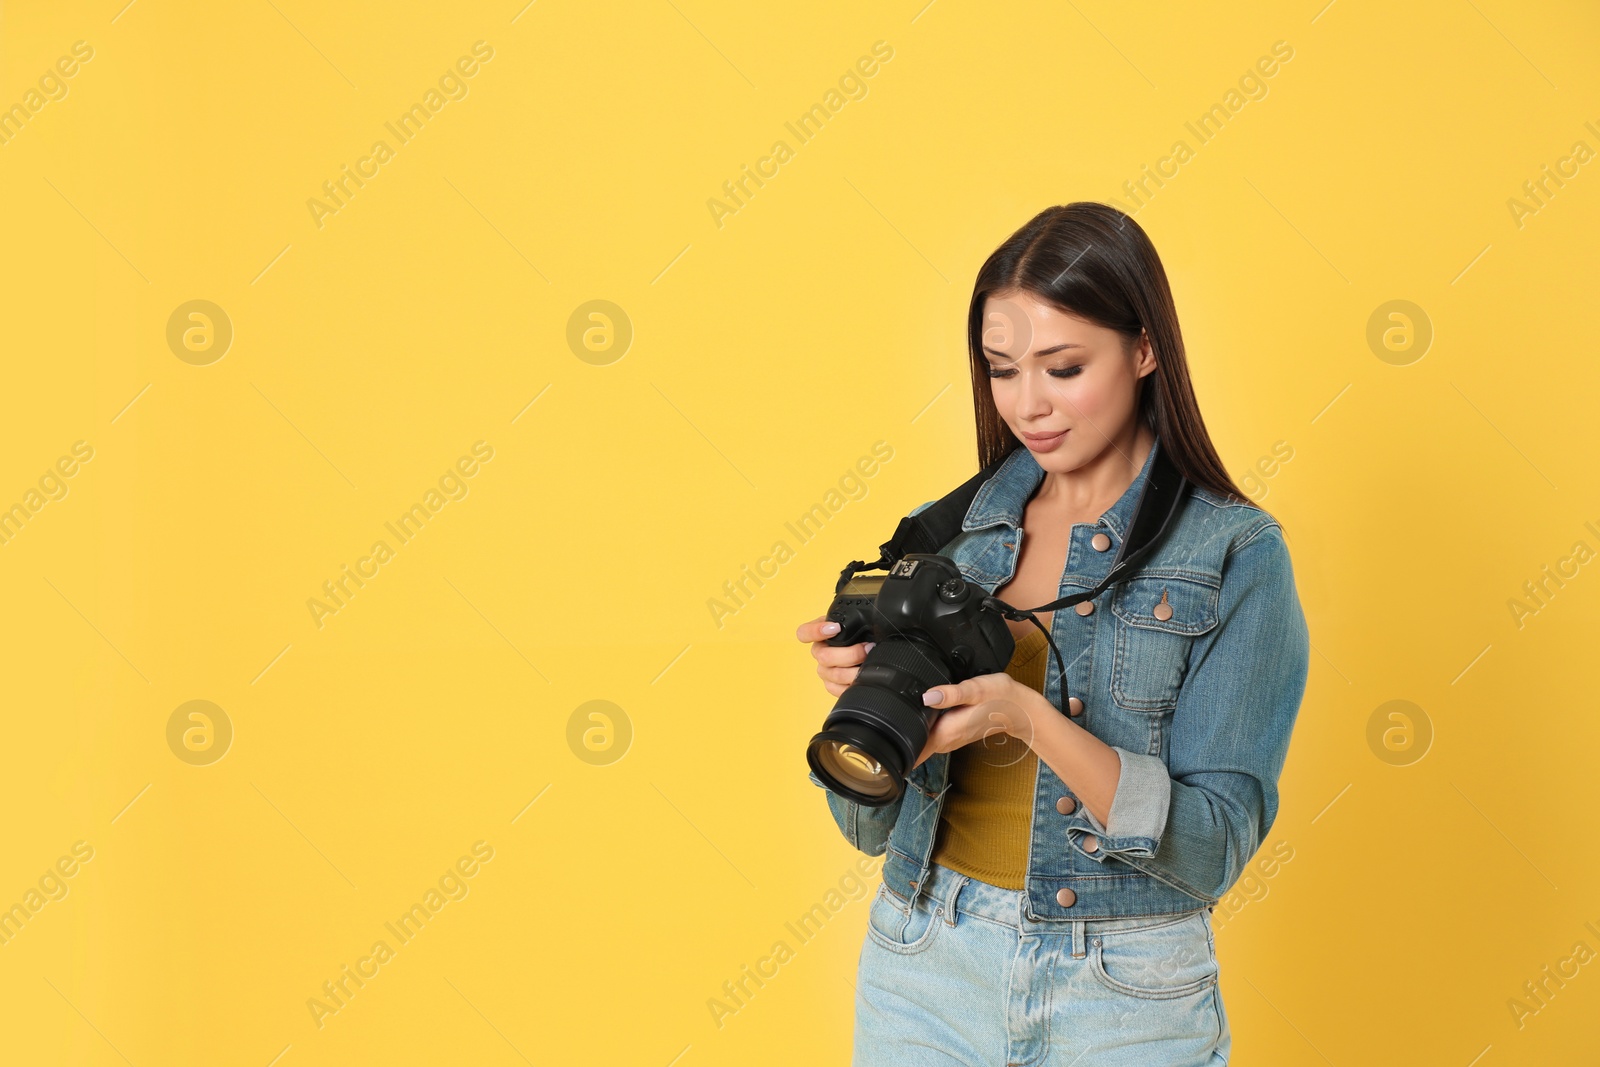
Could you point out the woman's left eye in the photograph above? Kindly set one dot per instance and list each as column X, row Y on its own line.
column 1066, row 372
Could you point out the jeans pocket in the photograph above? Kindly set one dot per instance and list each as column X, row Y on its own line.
column 900, row 931
column 1160, row 962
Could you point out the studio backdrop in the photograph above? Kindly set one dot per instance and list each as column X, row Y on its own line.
column 425, row 426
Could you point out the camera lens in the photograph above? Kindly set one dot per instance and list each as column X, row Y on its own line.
column 879, row 725
column 857, row 767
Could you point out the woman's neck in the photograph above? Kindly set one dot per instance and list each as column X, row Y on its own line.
column 1089, row 490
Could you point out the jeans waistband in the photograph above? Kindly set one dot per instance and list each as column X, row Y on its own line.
column 969, row 896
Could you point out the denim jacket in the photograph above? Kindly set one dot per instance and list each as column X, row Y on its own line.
column 1198, row 706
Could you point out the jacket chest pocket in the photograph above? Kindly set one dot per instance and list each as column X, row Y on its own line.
column 1158, row 617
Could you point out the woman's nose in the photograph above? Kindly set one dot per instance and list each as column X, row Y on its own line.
column 1036, row 397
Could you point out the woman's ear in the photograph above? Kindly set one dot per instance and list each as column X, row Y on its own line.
column 1144, row 356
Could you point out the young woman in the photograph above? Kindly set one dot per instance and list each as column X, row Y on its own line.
column 1050, row 870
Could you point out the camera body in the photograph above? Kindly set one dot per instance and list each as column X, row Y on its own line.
column 925, row 594
column 931, row 626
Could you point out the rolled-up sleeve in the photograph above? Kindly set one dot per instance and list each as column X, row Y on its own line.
column 866, row 828
column 1197, row 819
column 1139, row 808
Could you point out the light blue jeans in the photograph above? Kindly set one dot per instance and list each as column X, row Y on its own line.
column 967, row 979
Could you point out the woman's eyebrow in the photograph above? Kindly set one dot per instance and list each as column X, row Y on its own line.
column 1052, row 350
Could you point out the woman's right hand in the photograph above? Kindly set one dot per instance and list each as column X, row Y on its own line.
column 837, row 666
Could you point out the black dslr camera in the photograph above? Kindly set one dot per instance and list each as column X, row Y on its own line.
column 932, row 627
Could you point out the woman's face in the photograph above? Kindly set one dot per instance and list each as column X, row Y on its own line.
column 1065, row 386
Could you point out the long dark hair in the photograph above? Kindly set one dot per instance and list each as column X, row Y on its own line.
column 1096, row 262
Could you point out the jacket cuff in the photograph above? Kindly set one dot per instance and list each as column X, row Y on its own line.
column 1138, row 810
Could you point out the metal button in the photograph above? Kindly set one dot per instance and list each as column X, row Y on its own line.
column 1066, row 805
column 1065, row 897
column 1074, row 707
column 1090, row 843
column 1100, row 542
column 1085, row 608
column 1163, row 610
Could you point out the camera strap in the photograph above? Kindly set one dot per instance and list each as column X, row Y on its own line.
column 927, row 531
column 940, row 523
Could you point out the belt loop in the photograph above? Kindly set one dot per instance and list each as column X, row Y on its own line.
column 950, row 902
column 1078, row 947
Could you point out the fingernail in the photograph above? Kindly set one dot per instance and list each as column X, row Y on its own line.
column 868, row 646
column 932, row 696
column 830, row 628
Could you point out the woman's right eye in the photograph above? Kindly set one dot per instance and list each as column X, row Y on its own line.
column 1001, row 372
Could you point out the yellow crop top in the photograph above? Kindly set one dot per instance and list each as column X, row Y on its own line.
column 987, row 816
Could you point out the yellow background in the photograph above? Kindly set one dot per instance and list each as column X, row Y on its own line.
column 768, row 354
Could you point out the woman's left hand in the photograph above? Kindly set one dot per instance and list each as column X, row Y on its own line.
column 980, row 707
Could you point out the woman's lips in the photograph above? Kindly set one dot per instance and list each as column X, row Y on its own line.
column 1045, row 444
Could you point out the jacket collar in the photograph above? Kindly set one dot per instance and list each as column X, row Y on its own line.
column 1004, row 497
